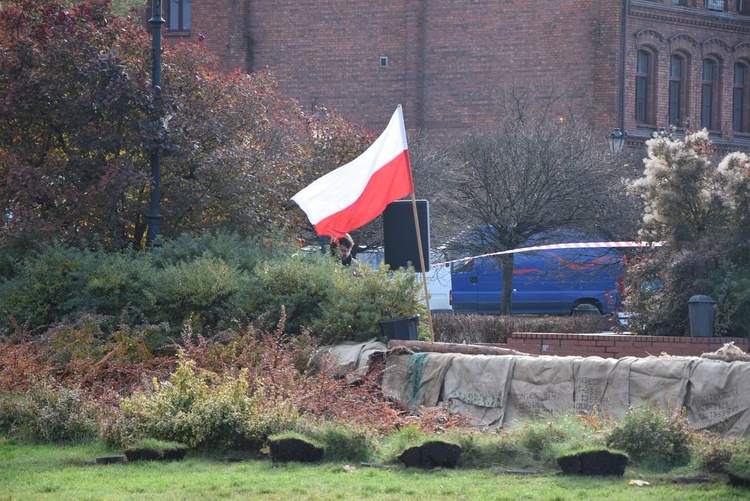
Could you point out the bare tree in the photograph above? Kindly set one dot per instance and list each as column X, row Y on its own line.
column 537, row 171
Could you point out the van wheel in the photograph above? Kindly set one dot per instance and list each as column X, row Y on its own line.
column 586, row 309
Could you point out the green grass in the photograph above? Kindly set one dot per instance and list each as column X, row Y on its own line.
column 42, row 472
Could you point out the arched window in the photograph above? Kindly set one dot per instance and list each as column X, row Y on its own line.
column 178, row 15
column 643, row 83
column 739, row 98
column 676, row 89
column 709, row 87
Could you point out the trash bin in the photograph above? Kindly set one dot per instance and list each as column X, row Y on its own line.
column 701, row 312
column 404, row 328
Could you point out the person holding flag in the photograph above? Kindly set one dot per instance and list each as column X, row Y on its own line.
column 351, row 196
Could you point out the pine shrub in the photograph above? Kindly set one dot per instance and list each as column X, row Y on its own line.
column 315, row 292
column 198, row 292
column 41, row 291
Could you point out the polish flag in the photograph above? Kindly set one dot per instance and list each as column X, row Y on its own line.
column 356, row 193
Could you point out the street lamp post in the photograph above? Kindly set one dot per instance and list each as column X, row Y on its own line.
column 153, row 236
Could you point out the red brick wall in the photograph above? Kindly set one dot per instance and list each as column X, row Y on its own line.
column 618, row 346
column 328, row 52
column 446, row 59
column 222, row 26
column 697, row 33
column 474, row 49
column 449, row 58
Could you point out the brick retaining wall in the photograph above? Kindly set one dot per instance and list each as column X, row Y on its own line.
column 617, row 346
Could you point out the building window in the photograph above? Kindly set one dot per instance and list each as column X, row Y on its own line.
column 178, row 15
column 739, row 98
column 717, row 5
column 675, row 90
column 743, row 7
column 708, row 89
column 643, row 87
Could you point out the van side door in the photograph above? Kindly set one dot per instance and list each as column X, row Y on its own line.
column 476, row 286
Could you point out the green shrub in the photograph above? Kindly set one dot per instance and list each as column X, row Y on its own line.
column 652, row 438
column 242, row 253
column 209, row 283
column 12, row 412
column 198, row 292
column 739, row 465
column 713, row 452
column 51, row 413
column 42, row 290
column 197, row 408
column 299, row 285
column 358, row 305
column 61, row 282
column 316, row 292
column 112, row 282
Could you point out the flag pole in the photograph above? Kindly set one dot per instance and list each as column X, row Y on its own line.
column 421, row 262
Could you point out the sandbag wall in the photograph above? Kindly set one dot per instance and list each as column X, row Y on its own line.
column 497, row 389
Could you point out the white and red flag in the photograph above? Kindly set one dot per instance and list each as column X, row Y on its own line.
column 358, row 192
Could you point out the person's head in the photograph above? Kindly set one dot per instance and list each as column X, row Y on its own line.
column 345, row 246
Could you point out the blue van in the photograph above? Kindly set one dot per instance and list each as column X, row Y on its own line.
column 555, row 281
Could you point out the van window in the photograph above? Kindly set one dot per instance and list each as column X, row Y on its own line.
column 463, row 266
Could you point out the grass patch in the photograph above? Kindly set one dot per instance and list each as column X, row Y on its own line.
column 157, row 445
column 50, row 472
column 344, row 443
column 739, row 466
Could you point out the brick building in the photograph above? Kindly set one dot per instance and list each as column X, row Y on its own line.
column 637, row 64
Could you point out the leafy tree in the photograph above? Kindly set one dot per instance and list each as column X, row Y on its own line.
column 536, row 172
column 71, row 135
column 80, row 120
column 701, row 211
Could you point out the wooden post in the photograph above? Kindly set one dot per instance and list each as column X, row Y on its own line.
column 421, row 263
